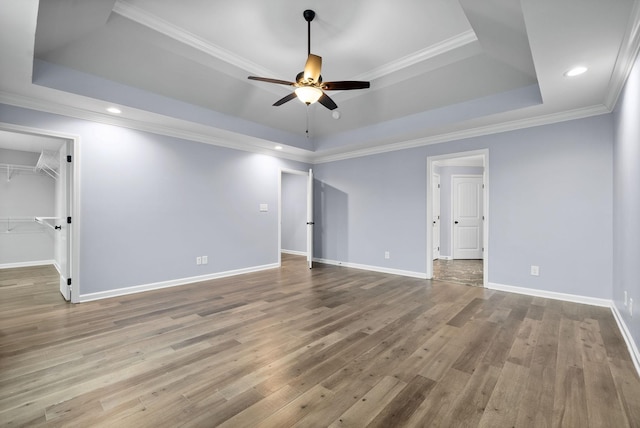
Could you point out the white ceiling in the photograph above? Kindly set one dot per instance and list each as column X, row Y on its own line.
column 439, row 69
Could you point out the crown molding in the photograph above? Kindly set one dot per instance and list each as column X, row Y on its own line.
column 432, row 51
column 629, row 50
column 181, row 35
column 469, row 133
column 254, row 145
column 239, row 142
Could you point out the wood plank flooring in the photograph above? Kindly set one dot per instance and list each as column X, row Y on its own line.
column 287, row 347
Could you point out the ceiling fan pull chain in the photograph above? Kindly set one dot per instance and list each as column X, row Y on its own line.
column 307, row 131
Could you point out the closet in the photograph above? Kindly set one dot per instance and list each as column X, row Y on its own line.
column 28, row 213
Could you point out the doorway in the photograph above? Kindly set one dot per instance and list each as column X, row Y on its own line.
column 56, row 155
column 462, row 198
column 295, row 214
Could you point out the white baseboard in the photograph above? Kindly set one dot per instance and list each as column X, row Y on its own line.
column 626, row 334
column 411, row 274
column 294, row 252
column 172, row 283
column 27, row 264
column 445, row 257
column 550, row 295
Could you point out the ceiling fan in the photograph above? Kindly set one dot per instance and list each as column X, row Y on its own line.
column 309, row 85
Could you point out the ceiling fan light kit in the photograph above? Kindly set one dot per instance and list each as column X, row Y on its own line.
column 309, row 87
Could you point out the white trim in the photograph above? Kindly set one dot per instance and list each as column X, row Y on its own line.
column 594, row 301
column 630, row 47
column 628, row 338
column 445, row 257
column 420, row 275
column 28, row 264
column 172, row 283
column 455, row 42
column 294, row 252
column 285, row 171
column 75, row 197
column 431, row 161
column 234, row 140
column 167, row 126
column 174, row 32
column 497, row 128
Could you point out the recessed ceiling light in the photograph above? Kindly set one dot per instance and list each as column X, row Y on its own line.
column 114, row 110
column 576, row 71
column 278, row 147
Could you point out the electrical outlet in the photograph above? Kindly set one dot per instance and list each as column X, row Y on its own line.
column 205, row 260
column 387, row 255
column 626, row 300
column 535, row 270
column 631, row 307
column 198, row 260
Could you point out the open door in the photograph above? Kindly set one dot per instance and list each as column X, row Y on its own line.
column 310, row 219
column 63, row 240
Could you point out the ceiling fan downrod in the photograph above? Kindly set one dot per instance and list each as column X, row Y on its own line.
column 308, row 16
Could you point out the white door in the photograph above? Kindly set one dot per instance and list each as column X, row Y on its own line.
column 64, row 187
column 435, row 230
column 467, row 217
column 310, row 219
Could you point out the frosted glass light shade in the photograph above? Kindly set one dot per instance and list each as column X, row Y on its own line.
column 308, row 94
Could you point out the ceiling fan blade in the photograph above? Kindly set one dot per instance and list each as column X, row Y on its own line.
column 283, row 100
column 345, row 85
column 269, row 80
column 312, row 68
column 327, row 102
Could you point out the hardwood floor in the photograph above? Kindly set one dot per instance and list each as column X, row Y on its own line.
column 331, row 347
column 466, row 272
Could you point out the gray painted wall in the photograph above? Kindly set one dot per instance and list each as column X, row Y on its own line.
column 28, row 194
column 446, row 200
column 626, row 203
column 150, row 204
column 550, row 204
column 294, row 212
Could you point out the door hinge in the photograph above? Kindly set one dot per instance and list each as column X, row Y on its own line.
column 68, row 158
column 68, row 220
column 438, row 185
column 483, row 185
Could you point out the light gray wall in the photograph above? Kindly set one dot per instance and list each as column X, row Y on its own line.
column 550, row 205
column 446, row 200
column 150, row 204
column 27, row 194
column 626, row 203
column 294, row 212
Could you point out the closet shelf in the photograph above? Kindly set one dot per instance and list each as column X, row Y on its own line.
column 49, row 163
column 48, row 221
column 14, row 224
column 11, row 169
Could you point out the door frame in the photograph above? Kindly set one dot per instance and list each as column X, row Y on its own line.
column 485, row 229
column 73, row 193
column 294, row 172
column 433, row 221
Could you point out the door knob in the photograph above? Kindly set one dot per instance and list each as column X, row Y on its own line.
column 455, row 222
